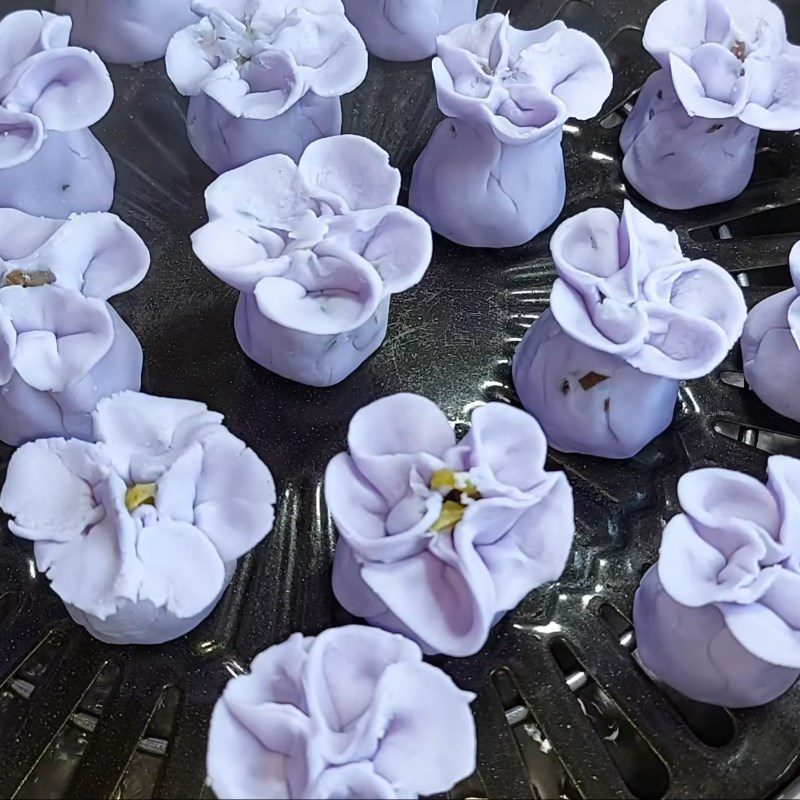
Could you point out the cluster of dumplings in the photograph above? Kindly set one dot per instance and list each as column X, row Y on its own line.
column 140, row 506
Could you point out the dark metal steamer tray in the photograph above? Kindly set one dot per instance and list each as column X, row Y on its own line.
column 562, row 709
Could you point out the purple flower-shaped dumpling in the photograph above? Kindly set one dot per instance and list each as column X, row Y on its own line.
column 439, row 538
column 50, row 93
column 492, row 174
column 62, row 346
column 629, row 318
column 717, row 618
column 401, row 31
column 316, row 250
column 139, row 530
column 264, row 76
column 126, row 31
column 771, row 347
column 352, row 713
column 727, row 71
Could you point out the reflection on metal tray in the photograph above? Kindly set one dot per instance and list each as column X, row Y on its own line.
column 563, row 709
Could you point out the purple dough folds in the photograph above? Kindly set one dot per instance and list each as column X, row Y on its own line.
column 316, row 250
column 62, row 346
column 401, row 31
column 717, row 617
column 439, row 538
column 50, row 93
column 126, row 31
column 771, row 347
column 265, row 76
column 351, row 713
column 492, row 174
column 139, row 530
column 727, row 71
column 629, row 318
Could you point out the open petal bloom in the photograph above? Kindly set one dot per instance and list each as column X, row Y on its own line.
column 316, row 250
column 492, row 174
column 353, row 712
column 400, row 31
column 265, row 76
column 717, row 617
column 438, row 538
column 50, row 93
column 629, row 317
column 727, row 71
column 771, row 347
column 126, row 31
column 139, row 531
column 62, row 347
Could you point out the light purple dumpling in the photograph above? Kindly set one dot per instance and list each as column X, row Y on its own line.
column 718, row 618
column 439, row 539
column 771, row 347
column 139, row 530
column 492, row 174
column 316, row 250
column 401, row 31
column 62, row 346
column 630, row 317
column 50, row 93
column 727, row 71
column 264, row 76
column 351, row 713
column 126, row 31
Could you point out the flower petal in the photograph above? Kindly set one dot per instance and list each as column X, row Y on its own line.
column 21, row 137
column 235, row 496
column 775, row 95
column 328, row 47
column 351, row 169
column 188, row 65
column 21, row 234
column 692, row 93
column 68, row 89
column 356, row 781
column 48, row 489
column 268, row 190
column 423, row 708
column 61, row 335
column 173, row 555
column 8, row 346
column 323, row 296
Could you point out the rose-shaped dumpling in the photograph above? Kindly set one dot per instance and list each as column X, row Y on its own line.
column 62, row 346
column 50, row 93
column 438, row 538
column 629, row 318
column 717, row 617
column 352, row 713
column 139, row 530
column 264, row 76
column 727, row 71
column 316, row 250
column 401, row 31
column 126, row 31
column 771, row 347
column 492, row 174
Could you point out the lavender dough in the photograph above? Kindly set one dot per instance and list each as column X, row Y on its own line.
column 727, row 71
column 717, row 617
column 771, row 347
column 139, row 530
column 62, row 346
column 397, row 30
column 316, row 250
column 630, row 317
column 126, row 31
column 264, row 76
column 492, row 174
column 351, row 713
column 440, row 539
column 50, row 93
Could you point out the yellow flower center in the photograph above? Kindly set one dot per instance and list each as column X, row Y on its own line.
column 453, row 508
column 139, row 494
